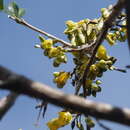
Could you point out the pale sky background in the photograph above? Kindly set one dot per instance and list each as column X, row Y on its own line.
column 17, row 53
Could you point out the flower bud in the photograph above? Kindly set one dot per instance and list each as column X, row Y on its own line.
column 111, row 38
column 102, row 53
column 81, row 36
column 47, row 44
column 98, row 82
column 61, row 79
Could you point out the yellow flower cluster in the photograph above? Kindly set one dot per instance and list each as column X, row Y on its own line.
column 119, row 33
column 63, row 119
column 84, row 31
column 58, row 53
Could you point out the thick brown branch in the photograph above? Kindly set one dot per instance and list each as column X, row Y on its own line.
column 23, row 85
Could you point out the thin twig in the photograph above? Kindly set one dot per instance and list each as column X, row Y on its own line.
column 121, row 70
column 102, row 125
column 69, row 46
column 23, row 22
column 87, row 47
column 40, row 112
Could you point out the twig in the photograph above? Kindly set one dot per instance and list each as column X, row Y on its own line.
column 23, row 85
column 87, row 47
column 107, row 25
column 128, row 66
column 66, row 44
column 102, row 125
column 26, row 24
column 121, row 70
column 40, row 112
column 43, row 107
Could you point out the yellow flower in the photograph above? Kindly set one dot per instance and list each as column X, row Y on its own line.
column 89, row 29
column 54, row 124
column 70, row 24
column 93, row 68
column 62, row 78
column 81, row 36
column 111, row 38
column 65, row 117
column 102, row 53
column 54, row 52
column 100, row 24
column 81, row 22
column 73, row 40
column 47, row 44
column 105, row 13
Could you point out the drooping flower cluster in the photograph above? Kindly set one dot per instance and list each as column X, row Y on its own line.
column 52, row 51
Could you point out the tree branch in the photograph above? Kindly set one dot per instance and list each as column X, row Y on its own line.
column 23, row 85
column 69, row 46
column 6, row 103
column 107, row 25
column 26, row 24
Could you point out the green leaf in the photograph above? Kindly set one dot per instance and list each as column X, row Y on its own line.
column 1, row 5
column 21, row 12
column 13, row 9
